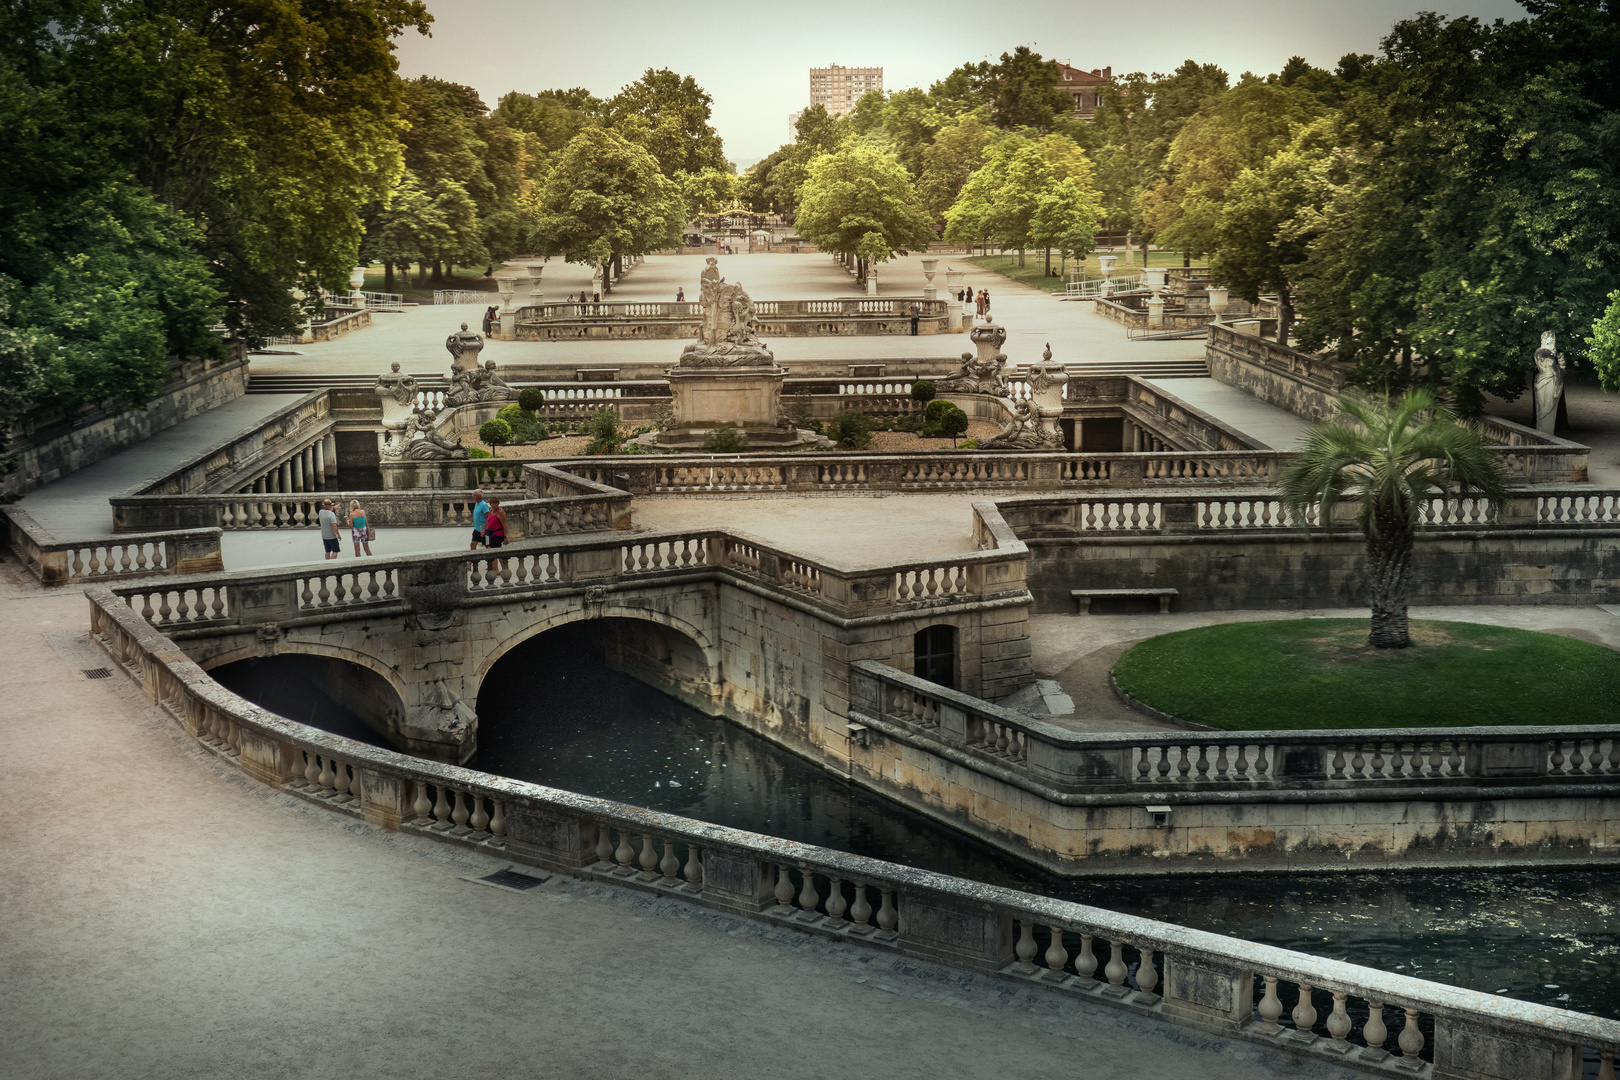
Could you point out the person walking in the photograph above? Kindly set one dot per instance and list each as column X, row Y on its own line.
column 329, row 525
column 915, row 313
column 489, row 318
column 680, row 296
column 978, row 305
column 359, row 527
column 495, row 528
column 480, row 519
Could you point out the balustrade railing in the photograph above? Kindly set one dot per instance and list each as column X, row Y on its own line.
column 272, row 448
column 70, row 562
column 1191, row 761
column 1308, row 1006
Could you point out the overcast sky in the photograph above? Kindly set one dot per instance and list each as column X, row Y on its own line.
column 754, row 59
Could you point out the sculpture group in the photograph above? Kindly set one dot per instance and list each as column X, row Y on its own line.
column 728, row 335
column 410, row 418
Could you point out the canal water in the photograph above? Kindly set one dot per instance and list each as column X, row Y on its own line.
column 558, row 716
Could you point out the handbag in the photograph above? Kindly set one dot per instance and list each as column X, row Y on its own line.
column 371, row 532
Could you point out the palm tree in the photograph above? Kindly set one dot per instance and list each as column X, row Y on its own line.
column 1392, row 461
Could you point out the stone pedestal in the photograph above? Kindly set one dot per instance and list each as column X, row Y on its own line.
column 954, row 283
column 508, row 288
column 929, row 269
column 871, row 281
column 1155, row 311
column 534, row 271
column 748, row 398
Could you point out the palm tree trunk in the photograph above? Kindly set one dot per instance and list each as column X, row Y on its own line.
column 1389, row 573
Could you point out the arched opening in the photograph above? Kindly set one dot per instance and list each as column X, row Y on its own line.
column 934, row 654
column 327, row 692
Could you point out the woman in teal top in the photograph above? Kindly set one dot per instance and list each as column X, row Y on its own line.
column 357, row 527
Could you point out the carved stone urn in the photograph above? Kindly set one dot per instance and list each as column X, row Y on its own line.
column 464, row 347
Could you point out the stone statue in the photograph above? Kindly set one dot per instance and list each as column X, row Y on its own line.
column 1549, row 385
column 402, row 388
column 461, row 344
column 728, row 334
column 1033, row 424
column 421, row 441
column 473, row 384
column 985, row 373
column 1020, row 432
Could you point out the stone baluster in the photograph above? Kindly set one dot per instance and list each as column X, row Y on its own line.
column 1270, row 1007
column 784, row 888
column 1411, row 1040
column 1606, row 1065
column 648, row 858
column 694, row 868
column 670, row 866
column 1116, row 969
column 1374, row 1033
column 497, row 823
column 1338, row 1024
column 479, row 820
column 340, row 782
column 836, row 905
column 809, row 899
column 624, row 853
column 320, row 460
column 441, row 809
column 887, row 917
column 1304, row 1015
column 1056, row 955
column 1147, row 976
column 1026, row 946
column 1085, row 965
column 860, row 912
column 327, row 778
column 604, row 843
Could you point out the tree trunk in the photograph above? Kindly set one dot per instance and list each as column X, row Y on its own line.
column 1048, row 261
column 1020, row 258
column 1144, row 253
column 438, row 272
column 1285, row 316
column 388, row 276
column 1389, row 570
column 1186, row 258
column 1561, row 421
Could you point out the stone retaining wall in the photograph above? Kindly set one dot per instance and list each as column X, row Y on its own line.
column 44, row 449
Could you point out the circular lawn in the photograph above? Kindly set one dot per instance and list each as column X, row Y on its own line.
column 1321, row 673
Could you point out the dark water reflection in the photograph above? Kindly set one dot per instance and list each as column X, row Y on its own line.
column 559, row 717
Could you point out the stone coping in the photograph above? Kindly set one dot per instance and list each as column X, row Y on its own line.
column 67, row 562
column 934, row 909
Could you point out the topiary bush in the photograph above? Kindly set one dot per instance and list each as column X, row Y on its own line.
column 532, row 399
column 851, row 429
column 954, row 424
column 525, row 428
column 496, row 432
column 473, row 451
column 724, row 439
column 922, row 390
column 941, row 419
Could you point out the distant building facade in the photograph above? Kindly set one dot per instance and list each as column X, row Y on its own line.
column 837, row 89
column 1084, row 87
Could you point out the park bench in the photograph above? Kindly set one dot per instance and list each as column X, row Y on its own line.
column 1084, row 597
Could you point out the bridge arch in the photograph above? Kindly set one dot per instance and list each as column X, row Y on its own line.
column 709, row 650
column 294, row 680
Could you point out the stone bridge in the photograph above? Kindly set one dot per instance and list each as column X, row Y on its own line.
column 728, row 624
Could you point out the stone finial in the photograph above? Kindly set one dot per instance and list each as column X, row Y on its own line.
column 1046, row 355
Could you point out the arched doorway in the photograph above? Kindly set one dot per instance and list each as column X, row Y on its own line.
column 934, row 654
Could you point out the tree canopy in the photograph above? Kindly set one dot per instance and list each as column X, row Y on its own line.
column 860, row 201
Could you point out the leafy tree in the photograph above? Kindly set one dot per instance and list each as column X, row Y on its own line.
column 1392, row 461
column 923, row 390
column 1603, row 344
column 552, row 117
column 1021, row 90
column 955, row 154
column 1065, row 218
column 861, row 202
column 495, row 432
column 669, row 115
column 606, row 197
column 1001, row 198
column 707, row 192
column 603, row 428
column 851, row 429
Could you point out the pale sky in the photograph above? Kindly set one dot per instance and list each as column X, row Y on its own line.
column 754, row 59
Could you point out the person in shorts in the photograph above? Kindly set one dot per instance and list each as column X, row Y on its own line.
column 480, row 517
column 357, row 527
column 329, row 530
column 495, row 528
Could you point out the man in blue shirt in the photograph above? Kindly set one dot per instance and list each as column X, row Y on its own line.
column 480, row 515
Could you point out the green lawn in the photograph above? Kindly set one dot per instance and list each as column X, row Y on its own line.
column 464, row 277
column 1034, row 268
column 1321, row 673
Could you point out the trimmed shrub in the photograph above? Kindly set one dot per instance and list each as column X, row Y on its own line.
column 724, row 439
column 943, row 420
column 473, row 451
column 969, row 444
column 851, row 429
column 954, row 424
column 496, row 432
column 512, row 413
column 603, row 428
column 531, row 399
column 922, row 390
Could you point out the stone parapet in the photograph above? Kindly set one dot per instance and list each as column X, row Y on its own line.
column 73, row 562
column 1196, row 980
column 775, row 318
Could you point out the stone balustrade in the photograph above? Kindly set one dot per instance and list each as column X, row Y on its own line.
column 72, row 562
column 343, row 324
column 776, row 318
column 289, row 450
column 1195, row 762
column 1306, row 1006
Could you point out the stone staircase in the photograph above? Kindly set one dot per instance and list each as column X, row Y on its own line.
column 305, row 384
column 1146, row 369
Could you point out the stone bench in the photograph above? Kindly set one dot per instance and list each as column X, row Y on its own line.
column 1083, row 597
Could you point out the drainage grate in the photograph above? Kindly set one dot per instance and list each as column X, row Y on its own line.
column 511, row 879
column 97, row 673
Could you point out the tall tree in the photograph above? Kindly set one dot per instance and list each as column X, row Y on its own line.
column 669, row 115
column 861, row 202
column 1391, row 460
column 606, row 197
column 1000, row 199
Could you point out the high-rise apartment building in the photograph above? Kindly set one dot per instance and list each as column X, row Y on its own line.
column 837, row 89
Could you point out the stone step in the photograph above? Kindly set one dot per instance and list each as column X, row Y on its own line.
column 304, row 384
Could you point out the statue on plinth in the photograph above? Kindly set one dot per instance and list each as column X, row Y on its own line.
column 1549, row 384
column 985, row 373
column 1033, row 423
column 474, row 384
column 728, row 334
column 421, row 441
column 464, row 348
column 401, row 388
